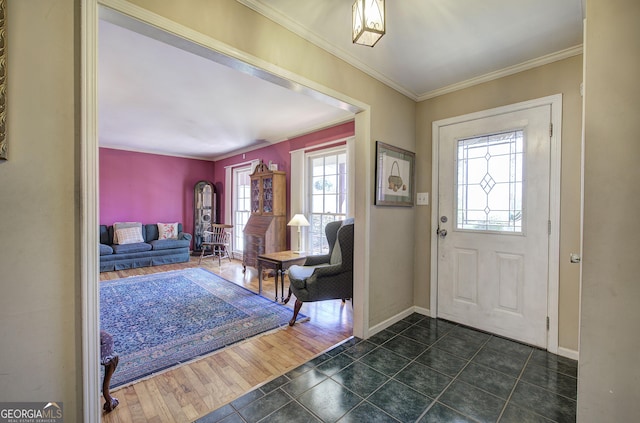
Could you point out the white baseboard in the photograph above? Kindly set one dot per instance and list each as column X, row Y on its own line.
column 395, row 319
column 566, row 352
column 423, row 311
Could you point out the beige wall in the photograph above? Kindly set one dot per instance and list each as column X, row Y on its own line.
column 39, row 214
column 608, row 373
column 562, row 77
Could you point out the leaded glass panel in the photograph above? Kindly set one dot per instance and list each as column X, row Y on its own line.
column 489, row 182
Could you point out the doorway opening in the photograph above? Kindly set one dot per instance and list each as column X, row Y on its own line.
column 89, row 194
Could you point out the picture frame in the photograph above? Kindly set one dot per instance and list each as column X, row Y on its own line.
column 3, row 81
column 395, row 170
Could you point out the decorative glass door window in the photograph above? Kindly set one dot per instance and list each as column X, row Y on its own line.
column 489, row 183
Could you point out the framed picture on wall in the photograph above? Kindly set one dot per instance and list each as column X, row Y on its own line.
column 3, row 83
column 394, row 176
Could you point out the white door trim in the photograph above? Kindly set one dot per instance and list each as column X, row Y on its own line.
column 363, row 148
column 554, row 203
column 89, row 196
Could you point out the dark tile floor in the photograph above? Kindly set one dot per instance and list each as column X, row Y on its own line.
column 418, row 370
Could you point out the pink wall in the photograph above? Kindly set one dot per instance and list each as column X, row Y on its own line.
column 152, row 188
column 279, row 154
column 149, row 188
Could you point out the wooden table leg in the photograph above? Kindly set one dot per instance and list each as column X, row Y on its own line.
column 259, row 277
column 282, row 272
column 276, row 281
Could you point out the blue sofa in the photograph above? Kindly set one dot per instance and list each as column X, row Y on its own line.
column 151, row 252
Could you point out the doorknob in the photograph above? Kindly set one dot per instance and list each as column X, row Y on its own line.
column 441, row 232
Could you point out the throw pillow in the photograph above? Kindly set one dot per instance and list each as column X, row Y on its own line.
column 167, row 231
column 129, row 235
column 124, row 225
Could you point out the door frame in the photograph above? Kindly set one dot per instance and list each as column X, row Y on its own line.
column 553, row 281
column 89, row 166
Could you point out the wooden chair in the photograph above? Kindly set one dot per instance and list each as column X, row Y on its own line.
column 216, row 242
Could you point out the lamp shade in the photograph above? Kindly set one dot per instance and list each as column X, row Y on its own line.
column 298, row 220
column 368, row 21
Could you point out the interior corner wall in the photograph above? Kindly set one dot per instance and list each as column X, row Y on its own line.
column 561, row 77
column 608, row 370
column 279, row 154
column 41, row 355
column 149, row 188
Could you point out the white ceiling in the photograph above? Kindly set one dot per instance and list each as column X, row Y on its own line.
column 156, row 97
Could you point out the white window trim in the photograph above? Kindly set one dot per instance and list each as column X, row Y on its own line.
column 228, row 193
column 298, row 193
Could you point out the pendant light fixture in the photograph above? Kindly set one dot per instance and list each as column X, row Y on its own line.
column 368, row 21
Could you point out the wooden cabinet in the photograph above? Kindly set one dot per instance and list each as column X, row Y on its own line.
column 266, row 229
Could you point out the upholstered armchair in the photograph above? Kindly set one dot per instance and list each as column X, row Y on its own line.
column 328, row 276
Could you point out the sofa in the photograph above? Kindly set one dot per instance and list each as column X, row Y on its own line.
column 151, row 251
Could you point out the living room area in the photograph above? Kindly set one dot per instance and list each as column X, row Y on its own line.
column 152, row 188
column 153, row 179
column 191, row 390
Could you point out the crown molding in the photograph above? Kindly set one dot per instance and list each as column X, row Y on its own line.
column 216, row 157
column 277, row 17
column 529, row 64
column 266, row 143
column 284, row 21
column 153, row 151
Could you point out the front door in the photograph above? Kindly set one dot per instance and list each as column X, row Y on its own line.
column 493, row 223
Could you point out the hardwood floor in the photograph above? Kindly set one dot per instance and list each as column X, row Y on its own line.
column 190, row 391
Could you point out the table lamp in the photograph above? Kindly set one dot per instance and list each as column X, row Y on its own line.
column 298, row 220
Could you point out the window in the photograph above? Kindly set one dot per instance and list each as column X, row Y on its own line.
column 241, row 205
column 489, row 183
column 327, row 195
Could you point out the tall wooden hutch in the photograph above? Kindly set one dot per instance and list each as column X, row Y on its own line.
column 266, row 229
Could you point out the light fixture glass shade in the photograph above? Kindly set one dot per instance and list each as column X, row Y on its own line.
column 298, row 220
column 368, row 21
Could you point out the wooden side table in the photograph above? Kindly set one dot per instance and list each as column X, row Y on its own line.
column 280, row 262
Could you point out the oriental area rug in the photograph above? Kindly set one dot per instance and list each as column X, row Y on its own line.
column 162, row 320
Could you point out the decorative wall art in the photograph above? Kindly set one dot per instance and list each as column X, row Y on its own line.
column 394, row 176
column 3, row 81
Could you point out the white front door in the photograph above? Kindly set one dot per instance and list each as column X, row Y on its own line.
column 493, row 217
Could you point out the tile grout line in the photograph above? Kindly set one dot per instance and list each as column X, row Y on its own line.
column 364, row 398
column 389, row 378
column 450, row 332
column 414, row 361
column 453, row 380
column 504, row 408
